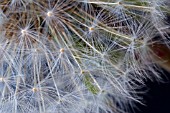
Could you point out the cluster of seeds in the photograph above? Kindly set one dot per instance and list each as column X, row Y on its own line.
column 77, row 56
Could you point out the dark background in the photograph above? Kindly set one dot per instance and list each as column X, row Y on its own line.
column 157, row 97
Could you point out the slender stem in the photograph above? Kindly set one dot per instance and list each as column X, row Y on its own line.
column 119, row 3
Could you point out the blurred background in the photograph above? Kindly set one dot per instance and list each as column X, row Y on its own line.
column 157, row 96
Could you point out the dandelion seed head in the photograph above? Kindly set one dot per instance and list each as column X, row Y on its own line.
column 70, row 55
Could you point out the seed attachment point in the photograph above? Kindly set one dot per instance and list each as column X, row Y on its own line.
column 23, row 32
column 91, row 29
column 62, row 50
column 49, row 13
column 34, row 89
column 1, row 79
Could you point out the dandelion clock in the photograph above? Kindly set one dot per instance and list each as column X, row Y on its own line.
column 78, row 56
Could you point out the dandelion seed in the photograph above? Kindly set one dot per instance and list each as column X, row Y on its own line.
column 34, row 89
column 83, row 71
column 24, row 32
column 1, row 79
column 62, row 50
column 91, row 29
column 49, row 13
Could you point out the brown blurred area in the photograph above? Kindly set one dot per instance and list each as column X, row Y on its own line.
column 161, row 55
